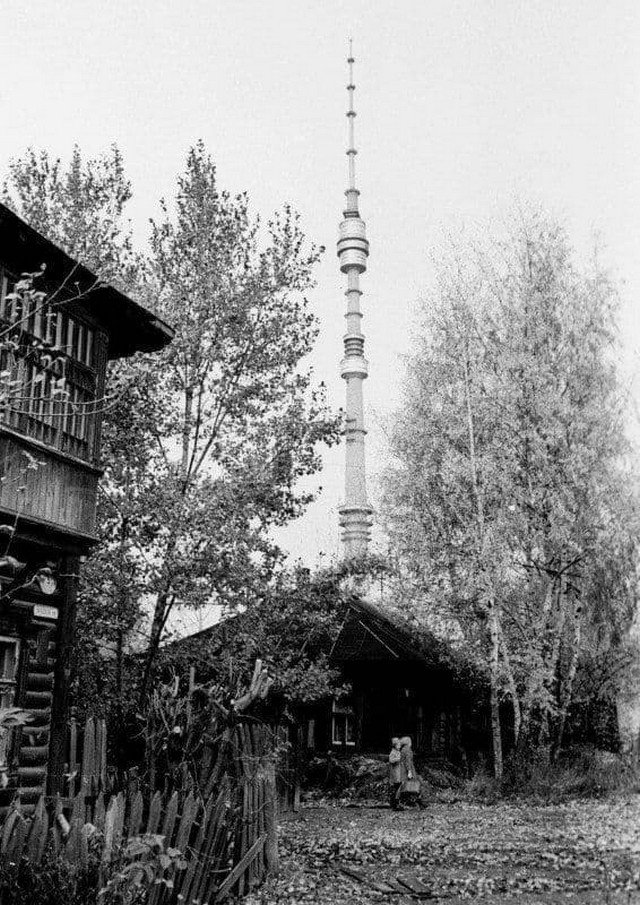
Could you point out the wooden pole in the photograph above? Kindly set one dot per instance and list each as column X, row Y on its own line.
column 62, row 674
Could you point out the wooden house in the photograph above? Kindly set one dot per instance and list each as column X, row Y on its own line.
column 54, row 350
column 403, row 681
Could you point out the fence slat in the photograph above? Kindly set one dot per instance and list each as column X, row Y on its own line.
column 97, row 765
column 224, row 753
column 8, row 829
column 227, row 885
column 135, row 815
column 215, row 846
column 189, row 811
column 17, row 840
column 118, row 824
column 99, row 812
column 88, row 756
column 109, row 826
column 155, row 807
column 242, row 833
column 191, row 874
column 73, row 850
column 37, row 838
column 168, row 825
column 271, row 820
column 170, row 817
column 79, row 806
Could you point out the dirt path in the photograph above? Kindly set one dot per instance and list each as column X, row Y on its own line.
column 582, row 852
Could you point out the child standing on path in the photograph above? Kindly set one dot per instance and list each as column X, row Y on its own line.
column 395, row 774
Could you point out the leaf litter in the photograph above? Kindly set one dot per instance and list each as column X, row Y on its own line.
column 578, row 852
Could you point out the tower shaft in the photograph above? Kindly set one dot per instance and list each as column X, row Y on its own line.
column 353, row 250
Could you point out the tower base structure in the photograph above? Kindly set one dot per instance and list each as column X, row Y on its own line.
column 356, row 522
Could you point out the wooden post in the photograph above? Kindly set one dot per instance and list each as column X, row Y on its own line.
column 73, row 752
column 271, row 819
column 62, row 674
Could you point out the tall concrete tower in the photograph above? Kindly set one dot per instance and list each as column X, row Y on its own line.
column 353, row 250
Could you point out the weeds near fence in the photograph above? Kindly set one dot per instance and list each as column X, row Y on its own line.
column 198, row 844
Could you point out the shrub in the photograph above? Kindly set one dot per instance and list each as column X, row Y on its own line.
column 581, row 772
column 142, row 862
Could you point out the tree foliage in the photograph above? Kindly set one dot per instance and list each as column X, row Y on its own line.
column 80, row 207
column 291, row 627
column 205, row 442
column 511, row 501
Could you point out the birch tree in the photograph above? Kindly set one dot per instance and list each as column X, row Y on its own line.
column 510, row 491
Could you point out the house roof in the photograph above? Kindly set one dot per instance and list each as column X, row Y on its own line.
column 370, row 635
column 131, row 327
column 367, row 635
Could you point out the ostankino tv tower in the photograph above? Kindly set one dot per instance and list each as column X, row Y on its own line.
column 353, row 250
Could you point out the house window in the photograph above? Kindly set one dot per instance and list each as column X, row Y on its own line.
column 311, row 734
column 9, row 651
column 342, row 724
column 48, row 373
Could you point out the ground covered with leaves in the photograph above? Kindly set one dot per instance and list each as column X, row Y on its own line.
column 579, row 852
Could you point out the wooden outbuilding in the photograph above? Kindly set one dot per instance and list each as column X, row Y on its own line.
column 57, row 336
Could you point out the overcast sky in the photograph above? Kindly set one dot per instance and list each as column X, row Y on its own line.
column 463, row 107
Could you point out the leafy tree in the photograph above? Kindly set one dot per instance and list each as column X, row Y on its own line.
column 204, row 444
column 291, row 627
column 510, row 496
column 242, row 417
column 81, row 208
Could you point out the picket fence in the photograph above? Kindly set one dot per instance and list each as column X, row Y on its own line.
column 226, row 831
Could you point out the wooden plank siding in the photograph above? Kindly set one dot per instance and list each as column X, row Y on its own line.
column 58, row 490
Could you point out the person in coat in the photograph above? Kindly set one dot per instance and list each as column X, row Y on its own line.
column 411, row 784
column 395, row 774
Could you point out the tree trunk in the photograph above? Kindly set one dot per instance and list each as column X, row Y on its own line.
column 160, row 615
column 186, row 436
column 513, row 690
column 123, row 606
column 165, row 598
column 567, row 685
column 494, row 662
column 494, row 625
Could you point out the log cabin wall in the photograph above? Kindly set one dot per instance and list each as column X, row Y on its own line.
column 27, row 681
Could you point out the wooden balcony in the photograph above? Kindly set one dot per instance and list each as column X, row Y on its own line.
column 46, row 486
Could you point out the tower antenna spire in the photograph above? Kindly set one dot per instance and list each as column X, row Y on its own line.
column 353, row 250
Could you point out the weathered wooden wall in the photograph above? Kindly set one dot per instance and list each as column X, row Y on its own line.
column 29, row 744
column 58, row 491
